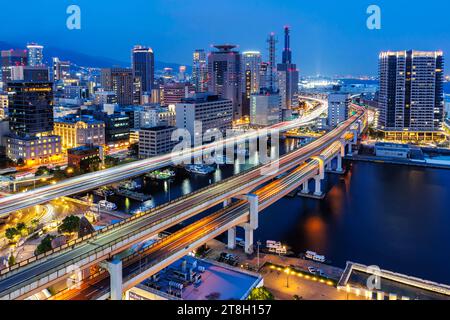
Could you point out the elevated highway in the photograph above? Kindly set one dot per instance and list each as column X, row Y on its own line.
column 39, row 272
column 97, row 179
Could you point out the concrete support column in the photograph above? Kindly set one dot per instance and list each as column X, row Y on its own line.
column 318, row 189
column 232, row 238
column 253, row 202
column 248, row 239
column 305, row 187
column 339, row 163
column 350, row 152
column 226, row 202
column 114, row 268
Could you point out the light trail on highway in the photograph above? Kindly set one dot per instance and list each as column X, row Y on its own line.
column 100, row 178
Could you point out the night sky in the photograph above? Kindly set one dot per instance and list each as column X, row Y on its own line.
column 328, row 36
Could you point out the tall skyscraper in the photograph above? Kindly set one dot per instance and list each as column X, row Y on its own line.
column 121, row 81
column 272, row 67
column 61, row 69
column 224, row 75
column 143, row 64
column 250, row 68
column 288, row 75
column 12, row 58
column 35, row 55
column 30, row 107
column 411, row 91
column 200, row 71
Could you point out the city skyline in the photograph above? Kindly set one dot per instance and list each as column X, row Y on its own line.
column 321, row 35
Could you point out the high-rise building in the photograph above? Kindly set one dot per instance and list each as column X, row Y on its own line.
column 173, row 92
column 204, row 113
column 288, row 75
column 271, row 65
column 35, row 55
column 143, row 65
column 3, row 105
column 200, row 71
column 119, row 80
column 29, row 73
column 411, row 92
column 12, row 58
column 224, row 75
column 30, row 107
column 265, row 108
column 250, row 68
column 31, row 123
column 155, row 141
column 61, row 69
column 263, row 73
column 338, row 108
column 182, row 73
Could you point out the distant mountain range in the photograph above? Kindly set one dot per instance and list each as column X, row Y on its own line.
column 85, row 60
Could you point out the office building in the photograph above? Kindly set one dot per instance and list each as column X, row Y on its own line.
column 173, row 92
column 288, row 75
column 120, row 81
column 84, row 157
column 224, row 76
column 182, row 74
column 200, row 71
column 61, row 69
column 105, row 97
column 204, row 113
column 155, row 116
column 12, row 58
column 263, row 74
column 33, row 149
column 338, row 108
column 117, row 128
column 30, row 107
column 156, row 141
column 29, row 73
column 411, row 100
column 76, row 130
column 35, row 55
column 3, row 106
column 265, row 108
column 250, row 68
column 143, row 66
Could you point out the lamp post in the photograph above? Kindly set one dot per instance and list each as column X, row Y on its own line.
column 287, row 271
column 258, row 243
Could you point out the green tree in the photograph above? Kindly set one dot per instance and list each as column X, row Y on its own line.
column 42, row 171
column 21, row 226
column 11, row 260
column 11, row 233
column 45, row 245
column 261, row 293
column 69, row 224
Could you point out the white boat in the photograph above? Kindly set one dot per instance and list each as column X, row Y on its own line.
column 110, row 206
column 200, row 169
column 315, row 257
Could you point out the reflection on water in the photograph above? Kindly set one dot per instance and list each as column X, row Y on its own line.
column 392, row 216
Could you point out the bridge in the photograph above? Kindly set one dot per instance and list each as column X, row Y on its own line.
column 100, row 178
column 31, row 276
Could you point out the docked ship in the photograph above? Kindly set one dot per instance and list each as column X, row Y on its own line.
column 106, row 205
column 200, row 169
column 161, row 175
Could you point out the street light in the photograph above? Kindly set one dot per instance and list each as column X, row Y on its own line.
column 287, row 271
column 258, row 243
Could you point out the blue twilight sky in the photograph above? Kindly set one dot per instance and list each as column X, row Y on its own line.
column 328, row 36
